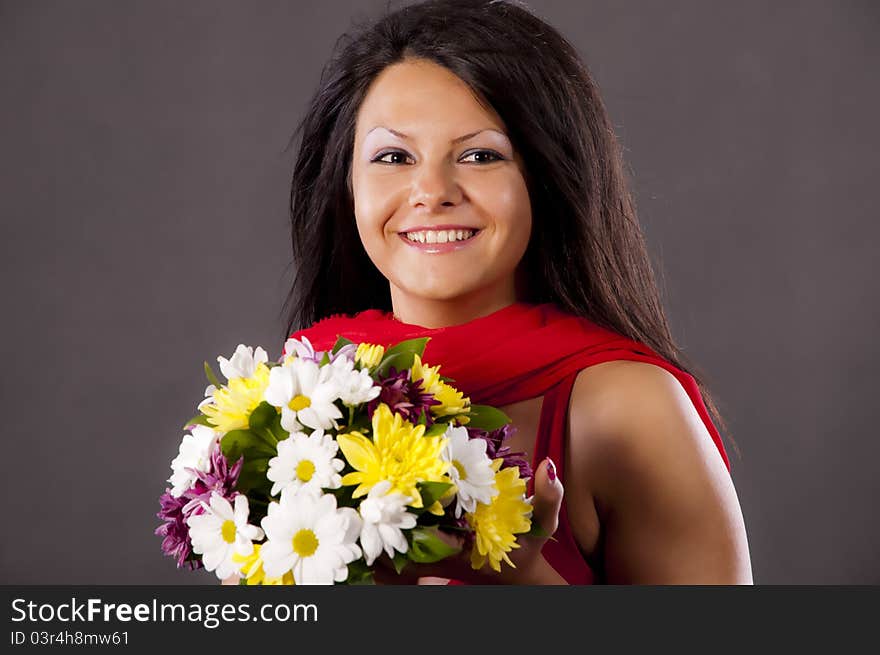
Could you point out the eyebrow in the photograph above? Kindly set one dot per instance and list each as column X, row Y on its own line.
column 459, row 139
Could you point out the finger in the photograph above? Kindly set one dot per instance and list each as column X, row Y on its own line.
column 548, row 496
column 232, row 579
column 433, row 580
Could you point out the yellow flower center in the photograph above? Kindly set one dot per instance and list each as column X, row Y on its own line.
column 227, row 531
column 305, row 543
column 305, row 470
column 462, row 474
column 299, row 403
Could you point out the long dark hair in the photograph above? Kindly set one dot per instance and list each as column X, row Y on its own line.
column 587, row 253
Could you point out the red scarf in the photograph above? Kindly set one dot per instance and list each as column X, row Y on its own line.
column 513, row 354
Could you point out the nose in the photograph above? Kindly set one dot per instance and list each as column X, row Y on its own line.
column 434, row 186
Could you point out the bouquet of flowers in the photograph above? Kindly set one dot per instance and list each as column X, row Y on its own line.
column 308, row 469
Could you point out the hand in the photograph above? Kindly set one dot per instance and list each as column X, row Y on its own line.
column 531, row 567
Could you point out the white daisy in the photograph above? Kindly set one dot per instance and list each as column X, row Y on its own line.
column 471, row 470
column 384, row 516
column 305, row 392
column 355, row 386
column 222, row 531
column 311, row 537
column 194, row 453
column 306, row 462
column 209, row 396
column 243, row 362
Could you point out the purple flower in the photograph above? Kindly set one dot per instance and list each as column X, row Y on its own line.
column 348, row 352
column 303, row 349
column 404, row 397
column 174, row 512
column 219, row 477
column 174, row 531
column 495, row 448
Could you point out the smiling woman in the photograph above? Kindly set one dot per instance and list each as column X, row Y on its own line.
column 458, row 178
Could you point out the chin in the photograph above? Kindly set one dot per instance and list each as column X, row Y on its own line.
column 437, row 287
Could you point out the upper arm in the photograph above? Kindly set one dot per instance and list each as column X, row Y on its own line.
column 668, row 509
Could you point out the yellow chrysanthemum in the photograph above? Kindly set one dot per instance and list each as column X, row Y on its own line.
column 497, row 524
column 252, row 569
column 452, row 401
column 398, row 452
column 234, row 403
column 369, row 355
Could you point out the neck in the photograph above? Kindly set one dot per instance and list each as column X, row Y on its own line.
column 446, row 312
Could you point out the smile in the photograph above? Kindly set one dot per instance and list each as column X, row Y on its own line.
column 440, row 236
column 438, row 241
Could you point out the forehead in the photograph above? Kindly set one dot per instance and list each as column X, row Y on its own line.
column 418, row 92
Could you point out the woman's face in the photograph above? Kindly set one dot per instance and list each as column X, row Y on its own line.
column 431, row 167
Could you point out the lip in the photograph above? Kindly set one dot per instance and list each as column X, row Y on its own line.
column 439, row 248
column 439, row 228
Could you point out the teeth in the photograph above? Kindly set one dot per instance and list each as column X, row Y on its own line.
column 440, row 236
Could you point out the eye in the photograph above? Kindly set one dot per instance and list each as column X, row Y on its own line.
column 492, row 156
column 380, row 158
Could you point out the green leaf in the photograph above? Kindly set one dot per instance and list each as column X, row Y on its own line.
column 426, row 547
column 399, row 561
column 437, row 430
column 359, row 573
column 278, row 433
column 432, row 491
column 236, row 443
column 253, row 476
column 198, row 419
column 269, row 437
column 486, row 417
column 325, row 359
column 212, row 378
column 402, row 355
column 411, row 346
column 340, row 343
column 396, row 360
column 262, row 416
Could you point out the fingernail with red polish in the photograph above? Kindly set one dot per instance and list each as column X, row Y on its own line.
column 551, row 470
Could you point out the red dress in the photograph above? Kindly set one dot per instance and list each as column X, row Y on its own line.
column 562, row 554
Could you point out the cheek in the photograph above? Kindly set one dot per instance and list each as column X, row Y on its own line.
column 375, row 201
column 507, row 203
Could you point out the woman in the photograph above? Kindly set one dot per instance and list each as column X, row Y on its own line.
column 458, row 177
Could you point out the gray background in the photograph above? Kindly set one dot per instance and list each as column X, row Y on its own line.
column 144, row 184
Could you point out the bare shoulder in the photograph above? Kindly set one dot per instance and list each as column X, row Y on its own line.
column 627, row 414
column 666, row 501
